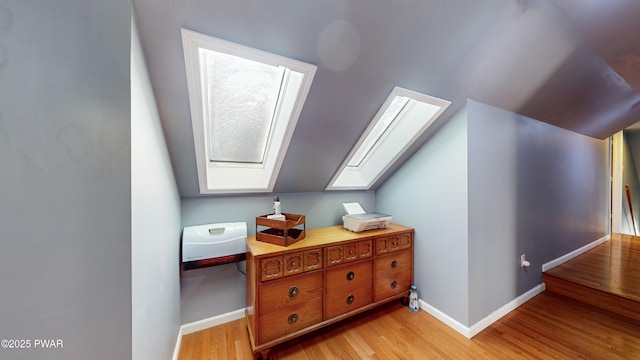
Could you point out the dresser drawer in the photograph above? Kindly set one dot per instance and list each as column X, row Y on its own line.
column 348, row 276
column 289, row 319
column 388, row 244
column 312, row 260
column 289, row 291
column 392, row 274
column 334, row 255
column 341, row 302
column 340, row 254
column 271, row 268
column 275, row 267
column 293, row 264
column 348, row 287
column 405, row 240
column 365, row 249
column 348, row 299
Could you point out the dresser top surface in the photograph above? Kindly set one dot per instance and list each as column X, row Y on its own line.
column 320, row 237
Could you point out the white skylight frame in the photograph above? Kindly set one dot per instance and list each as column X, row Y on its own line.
column 410, row 121
column 236, row 177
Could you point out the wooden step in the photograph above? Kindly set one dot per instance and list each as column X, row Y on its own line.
column 593, row 297
column 607, row 276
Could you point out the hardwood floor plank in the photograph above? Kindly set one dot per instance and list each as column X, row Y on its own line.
column 229, row 339
column 205, row 345
column 341, row 348
column 197, row 347
column 186, row 347
column 359, row 343
column 295, row 351
column 530, row 341
column 241, row 340
column 316, row 348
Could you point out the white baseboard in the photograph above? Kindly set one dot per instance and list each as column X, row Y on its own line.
column 475, row 329
column 449, row 321
column 176, row 350
column 205, row 324
column 553, row 263
column 211, row 322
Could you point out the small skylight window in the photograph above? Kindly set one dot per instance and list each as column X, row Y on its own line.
column 245, row 104
column 403, row 117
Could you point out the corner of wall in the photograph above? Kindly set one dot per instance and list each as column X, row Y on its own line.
column 527, row 181
column 155, row 222
column 430, row 193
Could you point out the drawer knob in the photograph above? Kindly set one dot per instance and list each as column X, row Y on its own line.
column 292, row 318
column 394, row 284
column 394, row 263
column 293, row 291
column 350, row 298
column 350, row 275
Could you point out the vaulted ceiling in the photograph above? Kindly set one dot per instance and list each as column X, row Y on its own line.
column 571, row 63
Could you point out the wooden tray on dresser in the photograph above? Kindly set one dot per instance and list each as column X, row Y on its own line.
column 280, row 232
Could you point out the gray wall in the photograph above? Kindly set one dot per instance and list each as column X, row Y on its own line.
column 533, row 188
column 220, row 289
column 491, row 185
column 631, row 146
column 65, row 221
column 429, row 193
column 155, row 224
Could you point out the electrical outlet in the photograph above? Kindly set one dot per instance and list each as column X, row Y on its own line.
column 523, row 260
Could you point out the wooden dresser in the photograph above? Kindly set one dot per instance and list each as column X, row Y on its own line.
column 330, row 275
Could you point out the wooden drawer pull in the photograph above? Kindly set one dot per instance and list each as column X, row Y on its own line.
column 350, row 298
column 293, row 291
column 350, row 275
column 394, row 284
column 394, row 263
column 292, row 318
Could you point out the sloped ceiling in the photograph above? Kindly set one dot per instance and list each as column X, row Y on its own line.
column 557, row 61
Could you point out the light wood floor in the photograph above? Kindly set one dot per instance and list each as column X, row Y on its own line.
column 612, row 267
column 546, row 327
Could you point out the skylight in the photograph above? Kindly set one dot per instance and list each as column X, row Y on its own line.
column 245, row 104
column 401, row 119
column 241, row 96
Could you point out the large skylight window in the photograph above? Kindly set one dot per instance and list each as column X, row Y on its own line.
column 241, row 96
column 245, row 104
column 401, row 119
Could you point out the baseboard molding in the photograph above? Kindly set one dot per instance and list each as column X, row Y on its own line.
column 553, row 263
column 205, row 324
column 475, row 329
column 176, row 349
column 449, row 321
column 212, row 321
